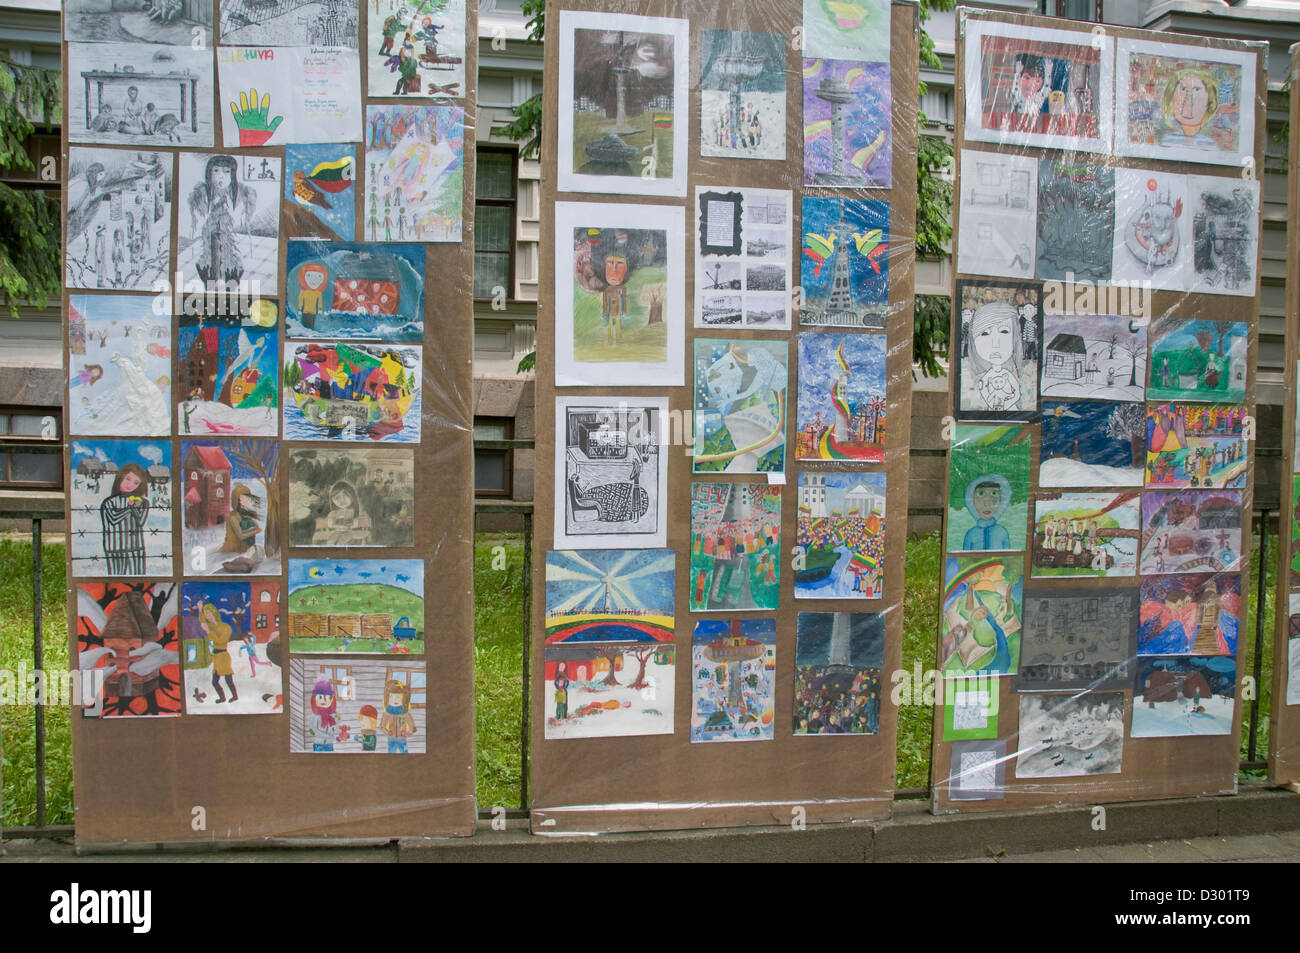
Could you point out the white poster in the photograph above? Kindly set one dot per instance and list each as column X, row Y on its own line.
column 275, row 95
column 998, row 217
column 742, row 258
column 1153, row 230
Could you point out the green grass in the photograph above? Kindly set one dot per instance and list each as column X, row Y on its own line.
column 499, row 595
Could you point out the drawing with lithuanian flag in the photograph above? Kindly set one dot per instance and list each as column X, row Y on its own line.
column 982, row 608
column 842, row 532
column 841, row 414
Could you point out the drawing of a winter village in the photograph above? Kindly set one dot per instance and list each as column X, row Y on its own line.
column 228, row 379
column 841, row 528
column 119, row 219
column 733, row 676
column 231, row 649
column 1188, row 695
column 119, row 373
column 230, row 501
column 121, row 505
column 1100, row 357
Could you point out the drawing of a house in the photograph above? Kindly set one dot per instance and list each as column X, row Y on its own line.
column 1066, row 356
column 207, row 487
column 199, row 371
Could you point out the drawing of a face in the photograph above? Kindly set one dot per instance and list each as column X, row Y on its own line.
column 130, row 483
column 987, row 498
column 1191, row 104
column 325, row 702
column 994, row 340
column 312, row 277
column 220, row 178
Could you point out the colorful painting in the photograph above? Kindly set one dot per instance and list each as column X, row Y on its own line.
column 981, row 615
column 365, row 606
column 1075, row 735
column 1196, row 445
column 988, row 488
column 742, row 95
column 620, row 321
column 120, row 504
column 847, row 120
column 352, row 497
column 1086, row 534
column 1098, row 357
column 231, row 648
column 337, row 391
column 1153, row 230
column 1190, row 695
column 998, row 220
column 119, row 226
column 319, row 199
column 614, row 595
column 999, row 350
column 742, row 264
column 624, row 100
column 1076, row 220
column 230, row 502
column 1093, row 444
column 94, row 21
column 740, row 406
column 847, row 28
column 1191, row 530
column 415, row 173
column 355, row 290
column 607, row 690
column 417, row 48
column 1197, row 360
column 735, row 546
column 289, row 22
column 733, row 680
column 842, row 397
column 838, row 665
column 1077, row 639
column 228, row 229
column 841, row 532
column 357, row 706
column 140, row 94
column 1225, row 234
column 1199, row 614
column 270, row 95
column 844, row 270
column 126, row 643
column 228, row 381
column 119, row 367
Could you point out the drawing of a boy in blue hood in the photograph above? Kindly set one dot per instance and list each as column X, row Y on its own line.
column 987, row 497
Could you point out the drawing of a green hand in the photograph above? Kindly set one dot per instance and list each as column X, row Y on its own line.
column 252, row 117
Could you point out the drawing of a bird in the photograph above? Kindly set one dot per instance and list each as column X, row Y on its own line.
column 304, row 193
column 332, row 177
column 871, row 247
column 364, row 575
column 402, row 578
column 819, row 248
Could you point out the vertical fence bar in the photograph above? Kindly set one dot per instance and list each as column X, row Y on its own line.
column 528, row 642
column 38, row 661
column 1259, row 633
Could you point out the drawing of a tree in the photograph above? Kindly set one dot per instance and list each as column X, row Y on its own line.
column 263, row 458
column 642, row 653
column 1129, row 421
column 610, row 653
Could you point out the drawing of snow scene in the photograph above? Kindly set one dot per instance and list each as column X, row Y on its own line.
column 227, row 379
column 1190, row 614
column 1196, row 445
column 1093, row 444
column 847, row 121
column 740, row 406
column 1098, row 357
column 1190, row 530
column 119, row 367
column 367, row 606
column 355, row 290
column 417, row 47
column 289, row 23
column 140, row 94
column 1197, row 360
column 230, row 501
column 231, row 651
column 119, row 219
column 1191, row 695
column 999, row 214
column 735, row 546
column 841, row 528
column 1076, row 220
column 1225, row 234
column 357, row 706
column 733, row 680
column 1065, row 736
column 842, row 397
column 337, row 391
column 137, row 21
column 126, row 635
column 121, row 507
column 415, row 173
column 1086, row 534
column 1153, row 230
column 228, row 226
column 319, row 193
column 844, row 268
column 742, row 95
column 838, row 662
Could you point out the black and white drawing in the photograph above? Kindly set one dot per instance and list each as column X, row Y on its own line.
column 289, row 22
column 1153, row 229
column 1065, row 736
column 742, row 265
column 1225, row 234
column 140, row 94
column 229, row 221
column 1077, row 638
column 174, row 22
column 999, row 214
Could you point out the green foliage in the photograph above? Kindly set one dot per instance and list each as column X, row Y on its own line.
column 527, row 124
column 499, row 596
column 527, row 363
column 933, row 317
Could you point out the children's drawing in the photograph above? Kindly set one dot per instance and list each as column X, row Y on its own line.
column 1073, row 735
column 971, row 709
column 1295, row 532
column 1293, row 650
column 230, row 499
column 289, row 22
column 1197, row 360
column 119, row 367
column 140, row 94
column 1190, row 530
column 357, row 706
column 415, row 173
column 977, row 770
column 997, row 366
column 981, row 613
column 319, row 198
column 417, row 47
column 231, row 647
column 1076, row 220
column 740, row 406
column 227, row 381
column 1099, row 357
column 1036, row 87
column 1225, row 234
column 733, row 680
column 742, row 264
column 274, row 95
column 742, row 95
column 619, row 319
column 609, row 643
column 173, row 22
column 611, row 472
column 841, row 530
column 847, row 29
column 623, row 104
column 1196, row 445
column 844, row 269
column 1153, row 229
column 351, row 497
column 735, row 546
column 1184, row 103
column 838, row 661
column 1086, row 534
column 847, row 121
column 1077, row 639
column 366, row 606
column 842, row 397
column 1191, row 695
column 337, row 391
column 121, row 507
column 1093, row 444
column 127, row 648
column 988, row 488
column 1196, row 614
column 229, row 222
column 119, row 219
column 355, row 290
column 998, row 217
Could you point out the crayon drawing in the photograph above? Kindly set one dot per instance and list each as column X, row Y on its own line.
column 338, row 391
column 352, row 497
column 355, row 290
column 126, row 644
column 1225, row 234
column 842, row 397
column 271, row 96
column 844, row 270
column 841, row 529
column 137, row 21
column 1153, row 229
column 1196, row 445
column 230, row 501
column 319, row 199
column 998, row 359
column 1065, row 736
column 735, row 546
column 742, row 95
column 1190, row 695
column 397, row 67
column 1099, row 357
column 837, row 676
column 1293, row 650
column 1190, row 530
column 847, row 28
column 357, row 706
column 988, row 488
column 1077, row 639
column 740, row 406
column 366, row 606
column 742, row 265
column 231, row 647
column 228, row 228
column 121, row 507
column 140, row 94
column 1086, row 534
column 1196, row 614
column 998, row 220
column 1197, row 360
column 981, row 615
column 847, row 121
column 1076, row 221
column 415, row 173
column 119, row 367
column 1093, row 444
column 228, row 381
column 289, row 22
column 733, row 680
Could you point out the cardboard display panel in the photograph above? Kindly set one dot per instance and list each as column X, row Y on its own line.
column 1105, row 316
column 268, row 295
column 721, row 517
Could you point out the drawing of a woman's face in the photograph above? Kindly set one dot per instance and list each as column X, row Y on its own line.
column 220, row 178
column 1191, row 103
column 130, row 483
column 994, row 340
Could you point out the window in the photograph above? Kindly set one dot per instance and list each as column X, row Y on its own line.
column 492, row 467
column 38, row 427
column 494, row 222
column 340, row 676
column 1086, row 10
column 415, row 681
column 261, row 622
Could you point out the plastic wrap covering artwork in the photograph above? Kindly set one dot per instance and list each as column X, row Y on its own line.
column 1097, row 528
column 721, row 488
column 270, row 451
